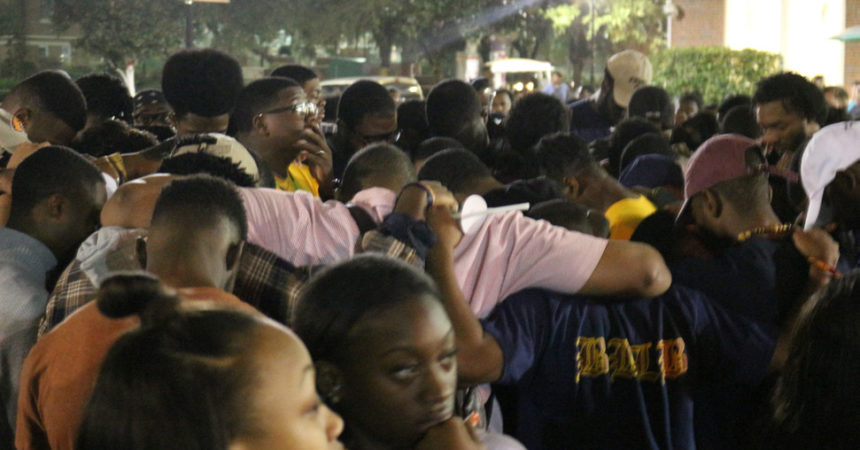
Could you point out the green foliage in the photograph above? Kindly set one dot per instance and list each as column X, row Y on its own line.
column 132, row 30
column 562, row 16
column 630, row 23
column 123, row 30
column 713, row 71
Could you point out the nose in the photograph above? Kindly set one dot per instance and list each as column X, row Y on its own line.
column 439, row 384
column 334, row 424
column 769, row 137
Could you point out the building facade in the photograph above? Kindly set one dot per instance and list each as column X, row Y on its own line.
column 799, row 30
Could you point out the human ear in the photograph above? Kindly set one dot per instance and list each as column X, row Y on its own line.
column 21, row 119
column 330, row 382
column 713, row 204
column 56, row 206
column 259, row 125
column 233, row 255
column 571, row 187
column 140, row 249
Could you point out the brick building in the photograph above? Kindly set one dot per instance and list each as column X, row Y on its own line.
column 46, row 47
column 799, row 30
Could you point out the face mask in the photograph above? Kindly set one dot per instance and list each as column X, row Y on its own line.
column 10, row 137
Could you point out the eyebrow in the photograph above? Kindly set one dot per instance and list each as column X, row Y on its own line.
column 405, row 348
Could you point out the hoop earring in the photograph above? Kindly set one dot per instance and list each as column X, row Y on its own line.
column 16, row 124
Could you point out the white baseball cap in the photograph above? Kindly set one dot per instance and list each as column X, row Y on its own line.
column 630, row 70
column 220, row 145
column 833, row 148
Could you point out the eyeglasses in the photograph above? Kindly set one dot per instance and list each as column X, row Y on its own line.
column 304, row 109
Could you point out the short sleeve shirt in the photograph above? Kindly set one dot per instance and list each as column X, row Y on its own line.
column 595, row 375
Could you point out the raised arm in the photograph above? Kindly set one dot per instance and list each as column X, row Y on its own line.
column 479, row 357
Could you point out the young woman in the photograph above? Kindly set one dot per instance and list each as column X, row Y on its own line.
column 202, row 377
column 386, row 356
column 817, row 398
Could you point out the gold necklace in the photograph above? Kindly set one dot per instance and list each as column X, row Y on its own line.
column 779, row 230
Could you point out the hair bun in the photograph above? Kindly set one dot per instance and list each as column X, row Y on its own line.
column 127, row 293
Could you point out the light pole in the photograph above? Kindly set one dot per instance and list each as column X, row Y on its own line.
column 670, row 9
column 593, row 47
column 188, row 37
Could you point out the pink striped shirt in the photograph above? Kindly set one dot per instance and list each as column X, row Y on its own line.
column 507, row 253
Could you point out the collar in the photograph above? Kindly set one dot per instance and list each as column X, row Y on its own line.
column 24, row 250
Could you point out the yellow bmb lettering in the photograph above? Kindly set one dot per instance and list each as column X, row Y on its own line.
column 591, row 359
column 621, row 361
column 642, row 354
column 674, row 359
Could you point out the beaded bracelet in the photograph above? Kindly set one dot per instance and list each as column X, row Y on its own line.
column 824, row 267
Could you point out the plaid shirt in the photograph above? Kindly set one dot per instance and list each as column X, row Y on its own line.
column 265, row 281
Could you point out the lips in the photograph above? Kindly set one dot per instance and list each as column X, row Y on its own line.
column 437, row 415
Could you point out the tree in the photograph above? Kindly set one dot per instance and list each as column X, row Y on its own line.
column 245, row 24
column 13, row 23
column 428, row 29
column 713, row 71
column 123, row 31
column 614, row 25
column 126, row 31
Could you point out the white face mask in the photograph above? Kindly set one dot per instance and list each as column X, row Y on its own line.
column 9, row 137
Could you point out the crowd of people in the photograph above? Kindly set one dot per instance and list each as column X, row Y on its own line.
column 217, row 264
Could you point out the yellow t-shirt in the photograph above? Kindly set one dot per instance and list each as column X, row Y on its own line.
column 625, row 215
column 298, row 178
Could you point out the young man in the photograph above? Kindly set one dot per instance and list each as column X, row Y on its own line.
column 274, row 119
column 58, row 197
column 201, row 86
column 310, row 83
column 107, row 98
column 454, row 110
column 565, row 158
column 194, row 245
column 46, row 107
column 592, row 118
column 789, row 109
column 599, row 373
column 366, row 114
column 757, row 266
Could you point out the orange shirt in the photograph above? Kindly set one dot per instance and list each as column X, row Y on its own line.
column 61, row 370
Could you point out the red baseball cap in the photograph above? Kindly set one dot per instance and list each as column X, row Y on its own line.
column 720, row 158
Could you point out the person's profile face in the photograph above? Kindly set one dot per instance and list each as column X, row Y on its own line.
column 400, row 372
column 83, row 216
column 285, row 406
